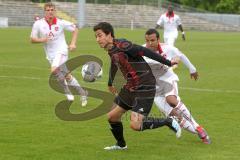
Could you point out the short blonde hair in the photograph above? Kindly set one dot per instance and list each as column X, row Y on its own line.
column 50, row 5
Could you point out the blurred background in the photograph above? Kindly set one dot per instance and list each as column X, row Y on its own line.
column 204, row 15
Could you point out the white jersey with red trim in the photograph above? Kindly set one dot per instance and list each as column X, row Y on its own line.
column 170, row 52
column 170, row 24
column 57, row 43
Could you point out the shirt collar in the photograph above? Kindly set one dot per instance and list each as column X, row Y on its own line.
column 170, row 16
column 53, row 22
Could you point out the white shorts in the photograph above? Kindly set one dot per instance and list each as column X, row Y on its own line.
column 163, row 90
column 170, row 38
column 166, row 88
column 59, row 61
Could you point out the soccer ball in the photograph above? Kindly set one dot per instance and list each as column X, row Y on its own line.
column 91, row 71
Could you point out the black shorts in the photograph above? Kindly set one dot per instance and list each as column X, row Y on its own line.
column 140, row 100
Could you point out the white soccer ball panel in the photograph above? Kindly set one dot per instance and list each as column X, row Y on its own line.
column 91, row 71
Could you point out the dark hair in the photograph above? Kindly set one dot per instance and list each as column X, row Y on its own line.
column 152, row 31
column 105, row 27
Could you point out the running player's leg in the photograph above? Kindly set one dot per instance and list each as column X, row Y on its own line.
column 166, row 109
column 140, row 120
column 114, row 119
column 174, row 101
column 169, row 91
column 122, row 103
column 72, row 82
column 180, row 109
column 60, row 77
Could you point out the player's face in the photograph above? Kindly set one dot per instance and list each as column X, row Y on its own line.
column 104, row 40
column 50, row 12
column 170, row 10
column 152, row 42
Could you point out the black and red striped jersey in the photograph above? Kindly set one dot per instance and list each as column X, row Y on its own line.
column 128, row 57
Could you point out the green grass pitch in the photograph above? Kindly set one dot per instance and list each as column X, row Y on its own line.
column 29, row 128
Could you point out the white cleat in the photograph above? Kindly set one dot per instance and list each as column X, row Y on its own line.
column 115, row 147
column 70, row 97
column 84, row 101
column 175, row 127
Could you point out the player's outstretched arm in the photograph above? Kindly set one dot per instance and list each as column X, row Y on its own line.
column 157, row 57
column 73, row 42
column 183, row 33
column 187, row 63
column 192, row 69
column 135, row 50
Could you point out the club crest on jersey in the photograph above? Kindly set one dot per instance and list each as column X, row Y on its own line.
column 51, row 34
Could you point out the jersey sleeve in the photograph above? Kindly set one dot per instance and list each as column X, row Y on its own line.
column 112, row 72
column 35, row 30
column 185, row 60
column 69, row 26
column 137, row 50
column 160, row 21
column 178, row 20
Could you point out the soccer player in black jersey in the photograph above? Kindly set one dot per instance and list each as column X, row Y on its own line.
column 138, row 93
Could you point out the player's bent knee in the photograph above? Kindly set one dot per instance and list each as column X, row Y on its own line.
column 172, row 100
column 112, row 118
column 135, row 126
column 55, row 70
column 109, row 117
column 176, row 113
column 68, row 77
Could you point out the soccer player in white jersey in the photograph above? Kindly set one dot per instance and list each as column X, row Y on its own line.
column 170, row 23
column 50, row 31
column 167, row 98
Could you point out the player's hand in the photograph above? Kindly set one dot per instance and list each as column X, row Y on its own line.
column 194, row 76
column 113, row 90
column 183, row 36
column 72, row 47
column 174, row 66
column 175, row 61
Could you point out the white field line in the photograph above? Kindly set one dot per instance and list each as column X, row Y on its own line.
column 209, row 90
column 39, row 78
column 22, row 67
column 22, row 77
column 183, row 88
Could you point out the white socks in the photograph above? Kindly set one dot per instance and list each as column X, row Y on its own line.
column 74, row 83
column 190, row 123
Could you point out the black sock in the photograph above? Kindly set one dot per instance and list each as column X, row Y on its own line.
column 151, row 123
column 117, row 131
